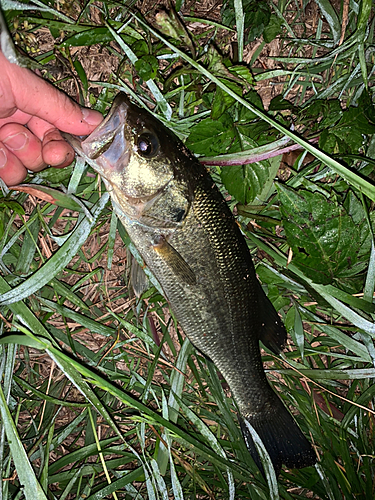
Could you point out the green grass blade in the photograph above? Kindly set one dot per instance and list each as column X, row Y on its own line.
column 58, row 261
column 348, row 175
column 266, row 462
column 240, row 20
column 84, row 388
column 26, row 474
column 331, row 17
column 322, row 290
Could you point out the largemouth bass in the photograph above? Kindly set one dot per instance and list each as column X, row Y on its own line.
column 181, row 225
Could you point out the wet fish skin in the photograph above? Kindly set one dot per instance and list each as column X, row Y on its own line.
column 189, row 239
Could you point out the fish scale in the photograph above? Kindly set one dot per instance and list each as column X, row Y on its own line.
column 183, row 228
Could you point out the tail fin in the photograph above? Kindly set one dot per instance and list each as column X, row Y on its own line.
column 281, row 437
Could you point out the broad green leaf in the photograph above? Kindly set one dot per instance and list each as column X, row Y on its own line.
column 323, row 237
column 243, row 72
column 222, row 101
column 272, row 29
column 211, row 137
column 147, row 67
column 351, row 128
column 350, row 314
column 245, row 182
column 352, row 178
column 91, row 36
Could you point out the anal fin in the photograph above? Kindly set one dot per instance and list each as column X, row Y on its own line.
column 272, row 334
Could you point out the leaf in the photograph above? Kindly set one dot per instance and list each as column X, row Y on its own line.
column 210, row 137
column 278, row 103
column 245, row 115
column 323, row 237
column 54, row 175
column 257, row 16
column 91, row 36
column 53, row 196
column 323, row 113
column 355, row 209
column 147, row 67
column 245, row 182
column 352, row 126
column 331, row 17
column 23, row 340
column 243, row 72
column 272, row 29
column 58, row 261
column 81, row 73
column 12, row 205
column 349, row 176
column 140, row 48
column 222, row 101
column 32, row 489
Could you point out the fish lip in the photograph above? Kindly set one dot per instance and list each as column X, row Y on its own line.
column 87, row 146
column 75, row 141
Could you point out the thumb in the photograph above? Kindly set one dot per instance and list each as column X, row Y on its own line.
column 37, row 97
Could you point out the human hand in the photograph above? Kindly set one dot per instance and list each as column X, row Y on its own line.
column 32, row 112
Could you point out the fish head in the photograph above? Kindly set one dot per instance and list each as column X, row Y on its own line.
column 137, row 157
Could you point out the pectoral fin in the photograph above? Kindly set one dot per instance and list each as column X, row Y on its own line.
column 138, row 279
column 175, row 261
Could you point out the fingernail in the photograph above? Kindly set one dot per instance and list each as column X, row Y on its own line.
column 90, row 117
column 3, row 158
column 16, row 142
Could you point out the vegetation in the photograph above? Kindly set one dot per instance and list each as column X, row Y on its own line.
column 101, row 395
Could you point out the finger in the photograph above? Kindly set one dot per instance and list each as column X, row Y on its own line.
column 37, row 97
column 22, row 91
column 12, row 170
column 23, row 144
column 55, row 150
column 17, row 117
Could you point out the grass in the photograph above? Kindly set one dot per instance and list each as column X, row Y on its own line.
column 101, row 395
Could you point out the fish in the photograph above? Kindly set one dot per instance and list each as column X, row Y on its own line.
column 184, row 230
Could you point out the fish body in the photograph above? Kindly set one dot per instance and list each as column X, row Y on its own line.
column 181, row 225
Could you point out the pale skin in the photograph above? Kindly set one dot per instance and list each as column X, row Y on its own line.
column 32, row 112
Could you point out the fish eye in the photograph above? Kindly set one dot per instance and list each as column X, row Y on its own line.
column 147, row 144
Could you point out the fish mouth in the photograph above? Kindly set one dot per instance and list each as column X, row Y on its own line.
column 107, row 148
